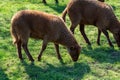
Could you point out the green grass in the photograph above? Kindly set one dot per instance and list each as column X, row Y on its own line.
column 95, row 62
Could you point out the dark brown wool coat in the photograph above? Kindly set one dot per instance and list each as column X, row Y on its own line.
column 40, row 25
column 93, row 12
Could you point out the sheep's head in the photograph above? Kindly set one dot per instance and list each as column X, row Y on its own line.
column 117, row 38
column 116, row 34
column 74, row 52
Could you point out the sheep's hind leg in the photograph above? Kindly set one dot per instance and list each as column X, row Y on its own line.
column 57, row 50
column 74, row 24
column 75, row 19
column 19, row 49
column 44, row 45
column 72, row 28
column 83, row 33
column 24, row 45
column 106, row 34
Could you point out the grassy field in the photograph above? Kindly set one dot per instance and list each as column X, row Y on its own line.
column 95, row 62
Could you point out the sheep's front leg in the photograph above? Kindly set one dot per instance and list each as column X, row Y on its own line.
column 44, row 1
column 44, row 45
column 98, row 39
column 106, row 34
column 83, row 33
column 57, row 50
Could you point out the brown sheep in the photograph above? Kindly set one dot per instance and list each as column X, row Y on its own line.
column 40, row 25
column 44, row 1
column 93, row 12
column 82, row 26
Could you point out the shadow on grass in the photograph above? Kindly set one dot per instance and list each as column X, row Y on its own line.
column 57, row 7
column 3, row 76
column 102, row 54
column 61, row 72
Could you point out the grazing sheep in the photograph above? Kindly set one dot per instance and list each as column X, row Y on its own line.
column 93, row 12
column 40, row 25
column 44, row 1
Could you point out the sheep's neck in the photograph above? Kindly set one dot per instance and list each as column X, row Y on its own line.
column 67, row 39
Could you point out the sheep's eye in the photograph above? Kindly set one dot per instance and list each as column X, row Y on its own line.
column 119, row 34
column 72, row 48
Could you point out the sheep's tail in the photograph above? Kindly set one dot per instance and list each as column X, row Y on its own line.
column 64, row 14
column 14, row 35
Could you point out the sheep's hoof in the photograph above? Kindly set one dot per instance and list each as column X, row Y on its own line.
column 20, row 57
column 88, row 43
column 59, row 58
column 22, row 60
column 98, row 44
column 32, row 60
column 112, row 46
column 119, row 48
column 39, row 59
column 32, row 63
column 89, row 47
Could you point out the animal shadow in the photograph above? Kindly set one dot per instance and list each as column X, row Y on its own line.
column 57, row 7
column 3, row 76
column 102, row 54
column 53, row 72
